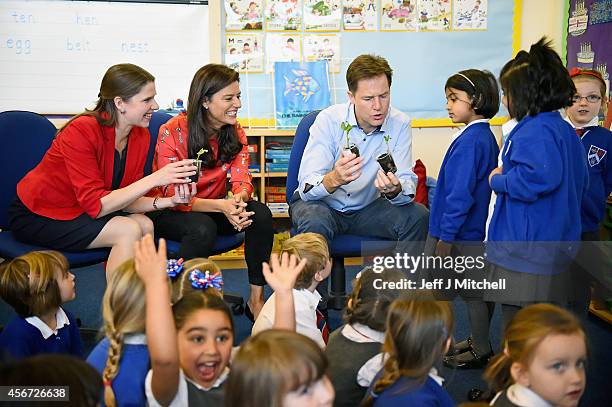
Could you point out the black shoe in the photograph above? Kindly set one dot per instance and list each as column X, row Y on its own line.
column 477, row 394
column 475, row 362
column 460, row 347
column 249, row 314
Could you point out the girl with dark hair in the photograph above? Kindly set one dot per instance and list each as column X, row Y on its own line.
column 418, row 334
column 210, row 130
column 354, row 350
column 535, row 228
column 89, row 189
column 459, row 210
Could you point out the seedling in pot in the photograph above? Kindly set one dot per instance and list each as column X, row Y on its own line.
column 385, row 160
column 352, row 147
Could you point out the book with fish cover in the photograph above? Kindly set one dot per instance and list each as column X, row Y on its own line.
column 299, row 89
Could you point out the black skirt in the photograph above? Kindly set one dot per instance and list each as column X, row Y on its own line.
column 67, row 235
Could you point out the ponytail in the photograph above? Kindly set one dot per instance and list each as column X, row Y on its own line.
column 497, row 373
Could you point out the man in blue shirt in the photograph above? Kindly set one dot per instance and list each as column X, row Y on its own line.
column 340, row 192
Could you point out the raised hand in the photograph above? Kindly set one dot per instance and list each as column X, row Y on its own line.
column 149, row 262
column 282, row 275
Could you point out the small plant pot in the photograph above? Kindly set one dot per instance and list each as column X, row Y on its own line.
column 353, row 149
column 195, row 178
column 386, row 162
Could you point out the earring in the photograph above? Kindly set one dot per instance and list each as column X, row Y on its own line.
column 205, row 107
column 122, row 111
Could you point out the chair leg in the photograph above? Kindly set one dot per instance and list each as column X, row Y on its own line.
column 337, row 292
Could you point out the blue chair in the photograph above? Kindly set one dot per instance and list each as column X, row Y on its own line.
column 342, row 246
column 224, row 243
column 26, row 137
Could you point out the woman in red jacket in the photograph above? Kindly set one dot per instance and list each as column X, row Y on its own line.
column 210, row 127
column 89, row 189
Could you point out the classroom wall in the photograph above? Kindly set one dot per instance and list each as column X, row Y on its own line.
column 539, row 17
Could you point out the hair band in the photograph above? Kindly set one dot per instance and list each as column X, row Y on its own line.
column 467, row 79
column 204, row 280
column 174, row 267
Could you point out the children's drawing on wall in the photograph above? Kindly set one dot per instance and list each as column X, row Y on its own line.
column 323, row 47
column 244, row 52
column 470, row 15
column 282, row 48
column 322, row 15
column 434, row 15
column 398, row 15
column 360, row 15
column 299, row 88
column 243, row 15
column 578, row 21
column 283, row 15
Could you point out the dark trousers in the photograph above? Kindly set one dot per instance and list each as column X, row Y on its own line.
column 197, row 232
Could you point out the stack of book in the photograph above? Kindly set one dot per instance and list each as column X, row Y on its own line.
column 277, row 157
column 275, row 199
column 254, row 166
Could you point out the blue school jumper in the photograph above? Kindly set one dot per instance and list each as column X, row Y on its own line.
column 597, row 143
column 129, row 384
column 20, row 339
column 539, row 196
column 429, row 394
column 461, row 204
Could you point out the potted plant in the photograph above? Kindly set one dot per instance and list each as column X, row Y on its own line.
column 352, row 147
column 198, row 163
column 385, row 160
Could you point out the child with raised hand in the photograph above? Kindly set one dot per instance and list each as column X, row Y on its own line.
column 418, row 335
column 122, row 357
column 279, row 368
column 354, row 350
column 543, row 360
column 36, row 285
column 313, row 248
column 534, row 229
column 189, row 342
column 460, row 207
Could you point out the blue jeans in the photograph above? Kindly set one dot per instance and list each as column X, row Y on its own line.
column 406, row 224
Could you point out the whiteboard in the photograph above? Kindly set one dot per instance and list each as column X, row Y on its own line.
column 53, row 54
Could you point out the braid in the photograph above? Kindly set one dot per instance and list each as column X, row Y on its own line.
column 112, row 366
column 390, row 374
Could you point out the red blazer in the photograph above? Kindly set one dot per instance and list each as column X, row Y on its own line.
column 77, row 170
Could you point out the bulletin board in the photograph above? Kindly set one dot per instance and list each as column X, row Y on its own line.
column 422, row 61
column 589, row 36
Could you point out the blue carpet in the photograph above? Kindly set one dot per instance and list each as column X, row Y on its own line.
column 90, row 285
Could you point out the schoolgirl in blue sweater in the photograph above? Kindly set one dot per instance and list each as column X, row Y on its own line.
column 417, row 336
column 36, row 285
column 535, row 232
column 460, row 207
column 593, row 260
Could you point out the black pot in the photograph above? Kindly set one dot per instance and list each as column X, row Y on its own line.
column 196, row 176
column 353, row 149
column 386, row 162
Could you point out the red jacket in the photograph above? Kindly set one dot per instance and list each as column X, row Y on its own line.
column 77, row 170
column 173, row 142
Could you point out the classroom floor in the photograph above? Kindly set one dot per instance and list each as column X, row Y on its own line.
column 90, row 283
